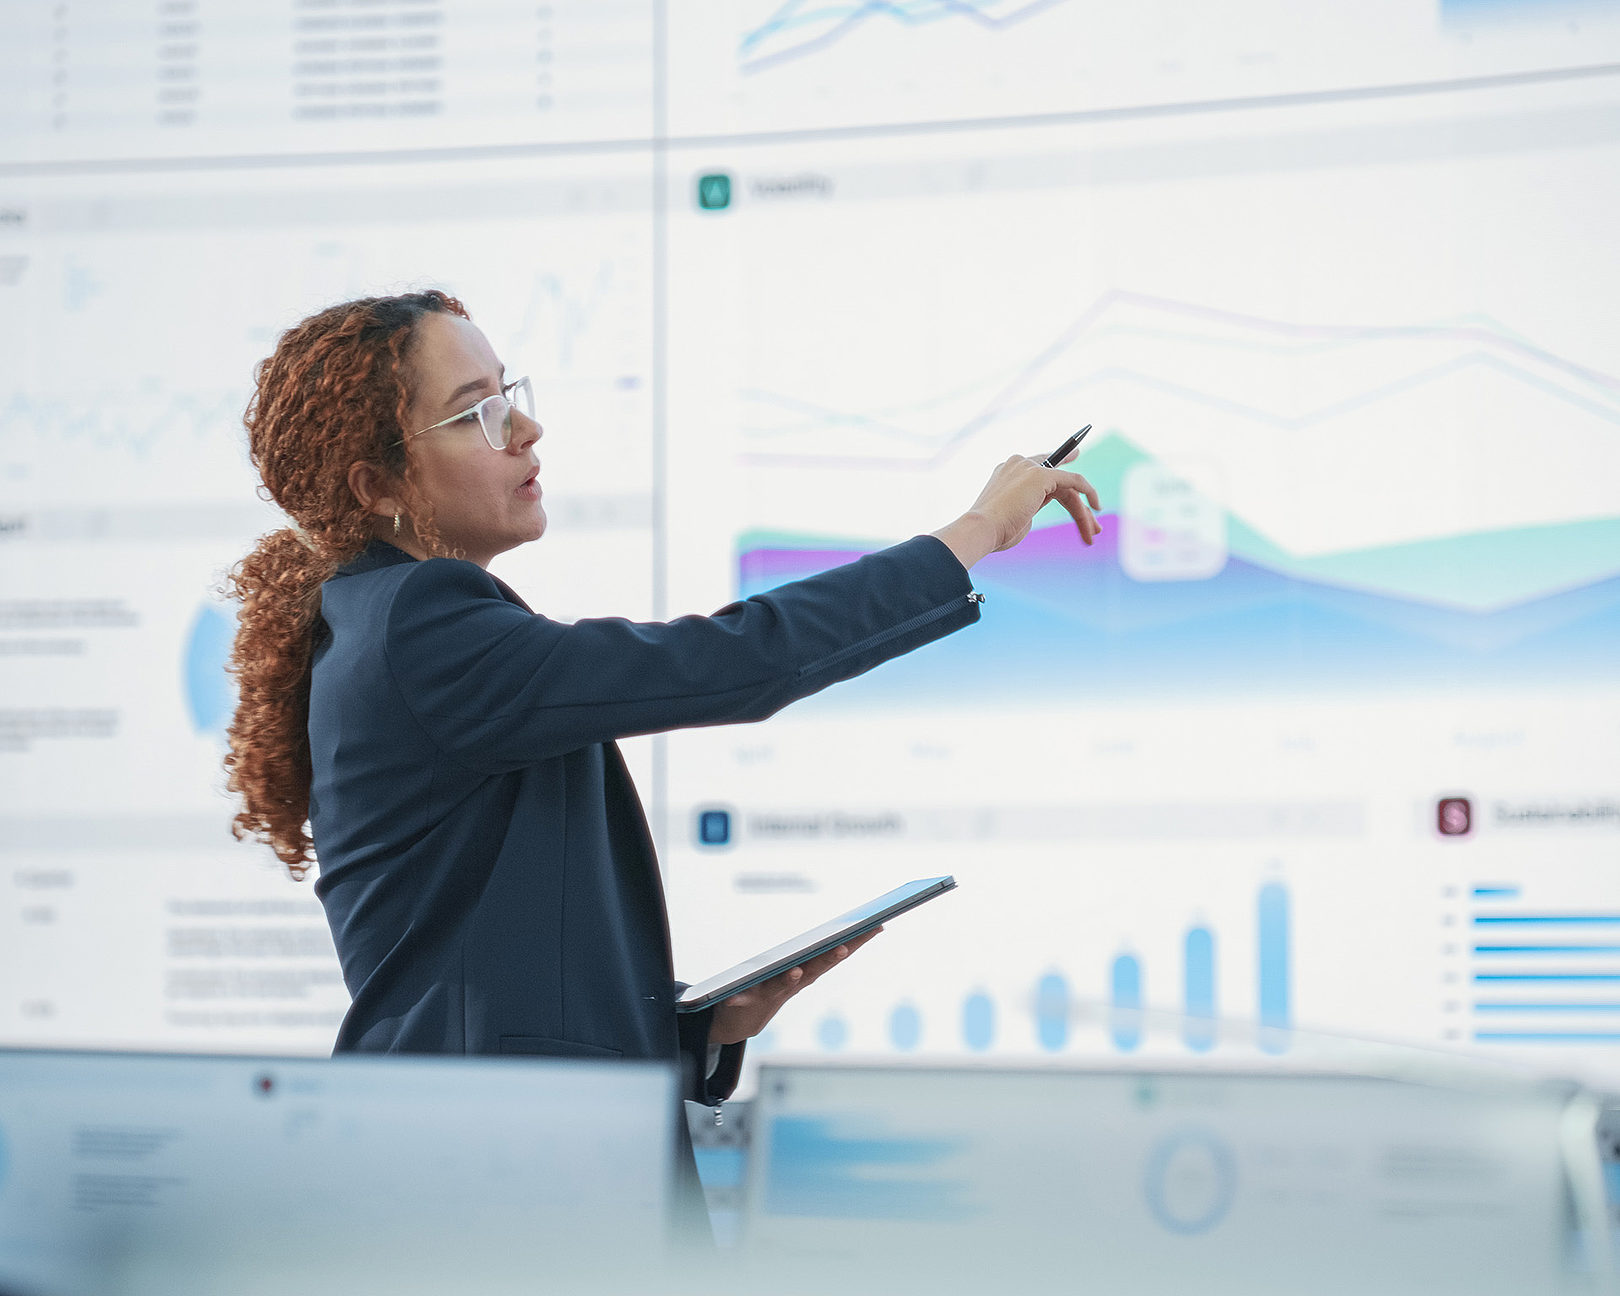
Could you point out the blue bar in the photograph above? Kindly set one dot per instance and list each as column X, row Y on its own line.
column 1551, row 1037
column 1275, row 1017
column 1125, row 1021
column 978, row 1021
column 1547, row 949
column 1547, row 976
column 1198, row 1026
column 832, row 1033
column 1495, row 892
column 1052, row 1012
column 1562, row 919
column 905, row 1027
column 1510, row 1005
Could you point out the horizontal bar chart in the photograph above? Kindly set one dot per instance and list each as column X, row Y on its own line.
column 1555, row 978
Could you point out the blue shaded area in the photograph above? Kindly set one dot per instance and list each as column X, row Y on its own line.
column 815, row 1169
column 1052, row 1012
column 832, row 1033
column 1496, row 892
column 1273, row 967
column 1125, row 1015
column 721, row 1167
column 1198, row 1028
column 978, row 1021
column 210, row 695
column 905, row 1027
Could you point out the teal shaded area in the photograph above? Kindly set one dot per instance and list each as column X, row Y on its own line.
column 823, row 1169
column 1480, row 570
column 210, row 695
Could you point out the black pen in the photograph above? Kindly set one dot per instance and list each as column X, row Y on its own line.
column 1062, row 452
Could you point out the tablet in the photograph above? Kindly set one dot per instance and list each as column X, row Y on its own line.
column 818, row 940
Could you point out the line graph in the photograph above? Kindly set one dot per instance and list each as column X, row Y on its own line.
column 1469, row 346
column 141, row 424
column 560, row 313
column 816, row 29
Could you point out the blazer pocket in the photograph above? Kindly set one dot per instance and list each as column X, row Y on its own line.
column 545, row 1046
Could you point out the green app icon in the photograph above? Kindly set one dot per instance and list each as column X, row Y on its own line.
column 714, row 191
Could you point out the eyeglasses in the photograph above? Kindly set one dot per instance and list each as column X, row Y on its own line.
column 494, row 414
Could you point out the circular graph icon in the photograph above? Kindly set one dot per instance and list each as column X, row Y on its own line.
column 1190, row 1181
column 210, row 694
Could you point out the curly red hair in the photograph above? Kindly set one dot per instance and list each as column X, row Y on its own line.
column 333, row 393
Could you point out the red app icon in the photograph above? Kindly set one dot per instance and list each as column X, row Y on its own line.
column 1454, row 816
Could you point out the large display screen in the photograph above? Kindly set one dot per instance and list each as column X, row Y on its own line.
column 1324, row 732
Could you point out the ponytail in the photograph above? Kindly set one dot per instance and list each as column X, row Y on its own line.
column 279, row 585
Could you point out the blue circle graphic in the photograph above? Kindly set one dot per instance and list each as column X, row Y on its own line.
column 210, row 695
column 1190, row 1181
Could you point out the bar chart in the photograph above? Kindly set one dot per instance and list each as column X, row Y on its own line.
column 1542, row 974
column 1051, row 1017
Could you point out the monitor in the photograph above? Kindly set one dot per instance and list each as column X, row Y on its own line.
column 173, row 1173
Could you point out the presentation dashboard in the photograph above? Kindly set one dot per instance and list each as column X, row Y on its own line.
column 1321, row 735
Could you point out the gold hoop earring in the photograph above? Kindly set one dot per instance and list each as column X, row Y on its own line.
column 396, row 523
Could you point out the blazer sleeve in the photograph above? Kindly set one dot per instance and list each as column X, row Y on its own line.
column 707, row 1087
column 497, row 687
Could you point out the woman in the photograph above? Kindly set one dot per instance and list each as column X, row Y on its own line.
column 484, row 861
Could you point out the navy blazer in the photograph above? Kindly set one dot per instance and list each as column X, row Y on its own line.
column 485, row 863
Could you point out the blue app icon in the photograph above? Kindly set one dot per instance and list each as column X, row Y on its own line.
column 714, row 828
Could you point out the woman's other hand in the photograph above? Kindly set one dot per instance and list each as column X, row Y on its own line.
column 1016, row 491
column 745, row 1014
